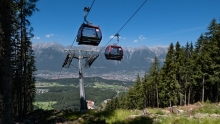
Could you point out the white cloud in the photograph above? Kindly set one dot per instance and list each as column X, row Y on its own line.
column 124, row 38
column 141, row 37
column 35, row 37
column 135, row 41
column 113, row 36
column 49, row 35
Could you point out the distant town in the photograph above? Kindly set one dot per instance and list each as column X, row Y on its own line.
column 118, row 75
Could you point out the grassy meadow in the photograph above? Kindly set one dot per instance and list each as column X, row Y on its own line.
column 207, row 114
column 45, row 105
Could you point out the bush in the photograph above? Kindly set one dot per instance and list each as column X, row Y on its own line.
column 159, row 112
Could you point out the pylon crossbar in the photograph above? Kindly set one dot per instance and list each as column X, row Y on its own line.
column 91, row 60
column 68, row 60
column 82, row 53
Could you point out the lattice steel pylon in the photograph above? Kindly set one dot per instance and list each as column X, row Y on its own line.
column 90, row 56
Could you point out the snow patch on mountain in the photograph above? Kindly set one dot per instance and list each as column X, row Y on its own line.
column 45, row 45
column 158, row 50
column 130, row 50
column 141, row 48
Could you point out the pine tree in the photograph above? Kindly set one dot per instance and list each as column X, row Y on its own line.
column 138, row 93
column 24, row 59
column 179, row 68
column 154, row 78
column 17, row 64
column 169, row 85
column 213, row 49
column 6, row 17
column 186, row 71
column 131, row 99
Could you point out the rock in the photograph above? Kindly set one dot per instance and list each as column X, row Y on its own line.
column 145, row 112
column 198, row 104
column 190, row 112
column 214, row 115
column 166, row 112
column 180, row 111
column 170, row 109
column 81, row 119
column 174, row 110
column 133, row 116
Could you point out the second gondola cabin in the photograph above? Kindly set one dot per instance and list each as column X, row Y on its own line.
column 114, row 52
column 89, row 34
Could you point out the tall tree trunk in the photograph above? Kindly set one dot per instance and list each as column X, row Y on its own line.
column 186, row 91
column 216, row 100
column 145, row 98
column 203, row 88
column 189, row 95
column 170, row 103
column 185, row 97
column 6, row 81
column 154, row 98
column 24, row 73
column 7, row 114
column 20, row 96
column 157, row 96
column 22, row 89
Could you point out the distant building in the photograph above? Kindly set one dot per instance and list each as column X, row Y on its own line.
column 106, row 101
column 90, row 104
column 40, row 91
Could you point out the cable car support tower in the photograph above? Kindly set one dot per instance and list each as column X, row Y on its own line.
column 90, row 57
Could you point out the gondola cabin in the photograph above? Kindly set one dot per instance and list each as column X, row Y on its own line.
column 114, row 52
column 89, row 35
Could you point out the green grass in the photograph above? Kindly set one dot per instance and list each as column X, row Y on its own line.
column 110, row 117
column 120, row 115
column 156, row 117
column 46, row 84
column 208, row 108
column 45, row 105
column 107, row 86
column 186, row 120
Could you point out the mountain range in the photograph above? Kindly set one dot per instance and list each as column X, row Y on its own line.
column 50, row 56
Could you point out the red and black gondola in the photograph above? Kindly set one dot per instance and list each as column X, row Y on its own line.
column 114, row 52
column 89, row 34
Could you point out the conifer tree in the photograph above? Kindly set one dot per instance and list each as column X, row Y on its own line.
column 138, row 93
column 179, row 67
column 187, row 71
column 144, row 89
column 213, row 50
column 202, row 63
column 16, row 58
column 169, row 79
column 6, row 27
column 154, row 74
column 25, row 59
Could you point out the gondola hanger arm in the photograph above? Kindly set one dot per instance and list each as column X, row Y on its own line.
column 86, row 11
column 118, row 36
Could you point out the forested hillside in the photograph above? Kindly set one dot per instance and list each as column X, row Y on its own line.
column 63, row 94
column 190, row 73
column 68, row 97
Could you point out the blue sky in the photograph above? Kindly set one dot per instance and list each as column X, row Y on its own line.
column 158, row 22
